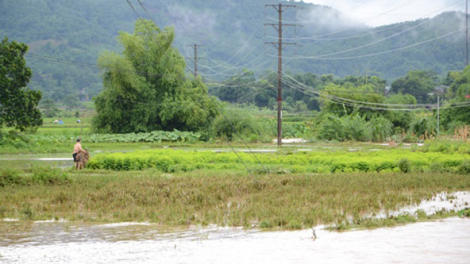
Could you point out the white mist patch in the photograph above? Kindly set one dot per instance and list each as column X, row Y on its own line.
column 327, row 18
column 190, row 22
column 384, row 12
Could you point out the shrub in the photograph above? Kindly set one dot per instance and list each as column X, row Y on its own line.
column 381, row 128
column 266, row 224
column 232, row 124
column 404, row 165
column 10, row 177
column 464, row 168
column 49, row 176
column 424, row 127
column 354, row 128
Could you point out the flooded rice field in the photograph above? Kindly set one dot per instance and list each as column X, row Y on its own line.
column 444, row 241
column 441, row 241
column 19, row 161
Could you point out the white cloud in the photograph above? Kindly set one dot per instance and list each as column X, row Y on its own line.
column 384, row 12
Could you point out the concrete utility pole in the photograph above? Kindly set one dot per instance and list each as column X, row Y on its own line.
column 195, row 59
column 466, row 32
column 438, row 115
column 279, row 45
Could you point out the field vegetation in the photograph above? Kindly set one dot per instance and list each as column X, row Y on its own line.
column 174, row 150
column 397, row 160
column 230, row 198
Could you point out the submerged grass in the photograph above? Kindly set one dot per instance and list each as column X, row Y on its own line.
column 290, row 201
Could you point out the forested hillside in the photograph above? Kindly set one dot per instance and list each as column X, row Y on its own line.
column 65, row 38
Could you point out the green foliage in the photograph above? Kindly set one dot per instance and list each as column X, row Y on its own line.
column 356, row 100
column 354, row 128
column 10, row 177
column 455, row 115
column 404, row 165
column 401, row 119
column 464, row 212
column 154, row 136
column 232, row 125
column 18, row 105
column 80, row 31
column 229, row 198
column 145, row 87
column 416, row 83
column 71, row 102
column 446, row 146
column 49, row 176
column 464, row 168
column 169, row 160
column 424, row 127
column 49, row 108
column 266, row 224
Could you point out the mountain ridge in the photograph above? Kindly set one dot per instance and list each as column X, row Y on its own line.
column 67, row 37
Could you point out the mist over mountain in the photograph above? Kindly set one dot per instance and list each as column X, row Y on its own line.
column 66, row 38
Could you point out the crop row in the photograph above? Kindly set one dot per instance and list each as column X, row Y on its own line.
column 170, row 160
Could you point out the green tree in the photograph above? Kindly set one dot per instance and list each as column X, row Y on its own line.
column 417, row 83
column 49, row 107
column 71, row 102
column 236, row 89
column 145, row 88
column 456, row 112
column 341, row 101
column 401, row 119
column 18, row 105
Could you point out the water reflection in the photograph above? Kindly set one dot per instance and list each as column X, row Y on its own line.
column 445, row 241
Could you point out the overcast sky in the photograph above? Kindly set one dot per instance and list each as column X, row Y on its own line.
column 384, row 12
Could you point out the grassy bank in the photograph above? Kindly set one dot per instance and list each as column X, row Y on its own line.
column 288, row 201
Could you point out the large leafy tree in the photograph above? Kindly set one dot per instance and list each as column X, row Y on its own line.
column 145, row 87
column 236, row 89
column 18, row 105
column 457, row 113
column 362, row 100
column 417, row 83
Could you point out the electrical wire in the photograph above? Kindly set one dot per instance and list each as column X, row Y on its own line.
column 294, row 84
column 364, row 21
column 236, row 132
column 248, row 68
column 375, row 54
column 455, row 4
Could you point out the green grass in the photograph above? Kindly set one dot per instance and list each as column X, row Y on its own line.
column 288, row 201
column 70, row 127
column 170, row 160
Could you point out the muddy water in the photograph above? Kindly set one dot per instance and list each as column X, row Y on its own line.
column 445, row 241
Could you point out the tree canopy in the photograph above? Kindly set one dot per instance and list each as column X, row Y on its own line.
column 18, row 105
column 455, row 115
column 417, row 83
column 145, row 87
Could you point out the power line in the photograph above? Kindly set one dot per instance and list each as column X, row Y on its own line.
column 457, row 3
column 202, row 106
column 280, row 46
column 364, row 21
column 243, row 47
column 374, row 54
column 363, row 104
